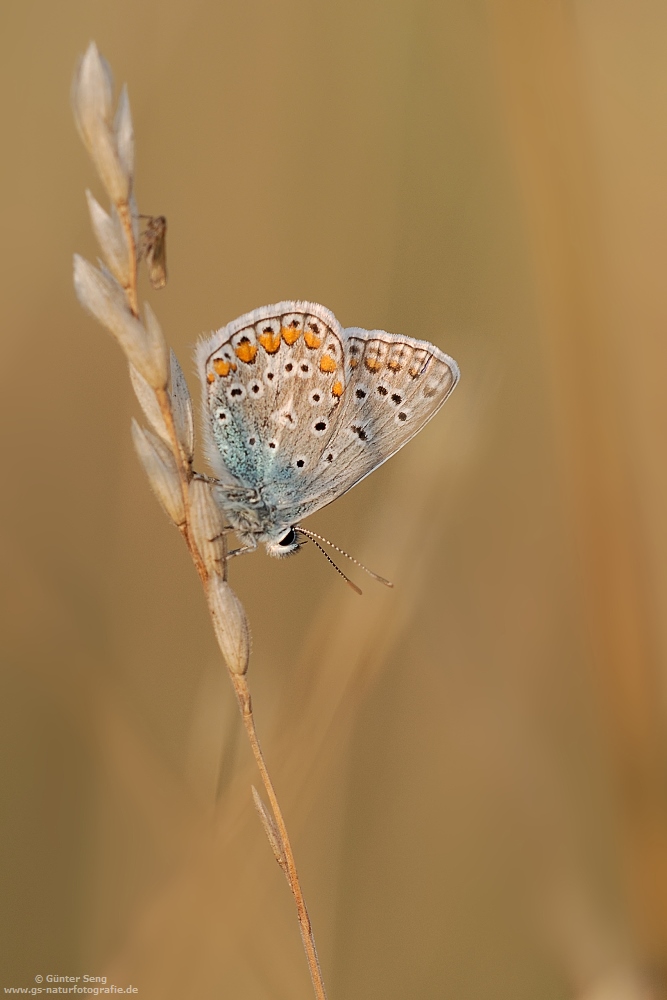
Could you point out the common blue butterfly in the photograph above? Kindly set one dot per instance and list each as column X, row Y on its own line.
column 297, row 410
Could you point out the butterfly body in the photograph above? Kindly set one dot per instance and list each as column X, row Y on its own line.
column 297, row 410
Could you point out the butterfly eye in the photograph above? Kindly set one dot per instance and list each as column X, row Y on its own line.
column 288, row 539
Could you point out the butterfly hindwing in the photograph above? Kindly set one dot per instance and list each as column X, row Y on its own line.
column 394, row 385
column 273, row 382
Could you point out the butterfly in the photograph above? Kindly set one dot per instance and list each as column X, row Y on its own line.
column 298, row 410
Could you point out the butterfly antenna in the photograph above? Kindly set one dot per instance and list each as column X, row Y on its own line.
column 326, row 554
column 313, row 537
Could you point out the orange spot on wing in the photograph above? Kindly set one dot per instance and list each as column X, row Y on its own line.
column 373, row 364
column 395, row 366
column 245, row 351
column 290, row 334
column 270, row 342
column 354, row 362
column 223, row 367
column 327, row 364
column 337, row 389
column 311, row 339
column 210, row 377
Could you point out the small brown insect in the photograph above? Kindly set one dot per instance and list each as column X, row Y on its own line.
column 153, row 249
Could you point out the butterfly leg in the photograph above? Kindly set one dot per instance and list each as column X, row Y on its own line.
column 206, row 479
column 241, row 551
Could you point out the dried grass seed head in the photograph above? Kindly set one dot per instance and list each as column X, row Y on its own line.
column 230, row 624
column 92, row 92
column 181, row 404
column 160, row 467
column 206, row 524
column 270, row 828
column 149, row 404
column 92, row 96
column 124, row 132
column 111, row 238
column 99, row 292
column 159, row 351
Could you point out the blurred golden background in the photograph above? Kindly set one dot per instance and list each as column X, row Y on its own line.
column 473, row 765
